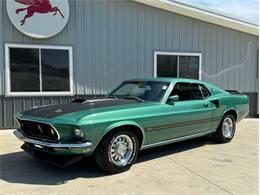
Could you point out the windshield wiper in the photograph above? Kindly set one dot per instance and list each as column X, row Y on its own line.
column 133, row 97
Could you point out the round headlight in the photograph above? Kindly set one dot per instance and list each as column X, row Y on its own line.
column 78, row 133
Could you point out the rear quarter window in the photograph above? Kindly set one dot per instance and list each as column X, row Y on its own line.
column 205, row 92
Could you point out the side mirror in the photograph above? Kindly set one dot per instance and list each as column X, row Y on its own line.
column 172, row 99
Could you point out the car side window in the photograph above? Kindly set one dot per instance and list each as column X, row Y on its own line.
column 190, row 91
column 205, row 92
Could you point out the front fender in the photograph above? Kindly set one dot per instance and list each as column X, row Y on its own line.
column 119, row 124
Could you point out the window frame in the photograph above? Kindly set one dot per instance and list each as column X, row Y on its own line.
column 200, row 84
column 169, row 85
column 210, row 94
column 9, row 93
column 178, row 54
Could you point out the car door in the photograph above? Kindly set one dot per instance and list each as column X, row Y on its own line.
column 191, row 114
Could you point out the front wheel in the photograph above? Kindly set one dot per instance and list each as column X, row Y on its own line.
column 117, row 151
column 226, row 129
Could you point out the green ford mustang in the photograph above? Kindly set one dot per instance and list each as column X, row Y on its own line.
column 138, row 114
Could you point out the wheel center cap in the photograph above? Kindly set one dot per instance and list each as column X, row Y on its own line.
column 120, row 149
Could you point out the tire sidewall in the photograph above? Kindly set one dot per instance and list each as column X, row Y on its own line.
column 234, row 127
column 135, row 148
column 102, row 152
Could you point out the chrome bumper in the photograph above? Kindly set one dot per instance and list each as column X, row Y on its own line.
column 20, row 136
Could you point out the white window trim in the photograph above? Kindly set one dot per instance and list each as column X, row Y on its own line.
column 8, row 92
column 177, row 54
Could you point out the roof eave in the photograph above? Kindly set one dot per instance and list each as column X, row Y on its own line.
column 202, row 15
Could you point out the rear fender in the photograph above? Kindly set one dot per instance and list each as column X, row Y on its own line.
column 228, row 110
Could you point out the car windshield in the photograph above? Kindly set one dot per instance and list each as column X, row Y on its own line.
column 141, row 90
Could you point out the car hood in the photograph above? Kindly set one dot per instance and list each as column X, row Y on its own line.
column 77, row 110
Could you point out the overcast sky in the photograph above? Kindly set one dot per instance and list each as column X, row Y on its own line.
column 244, row 9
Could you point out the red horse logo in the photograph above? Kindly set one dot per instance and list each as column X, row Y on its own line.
column 36, row 6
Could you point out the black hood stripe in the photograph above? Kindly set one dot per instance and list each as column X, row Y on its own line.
column 58, row 110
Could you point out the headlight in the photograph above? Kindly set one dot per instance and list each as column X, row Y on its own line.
column 78, row 133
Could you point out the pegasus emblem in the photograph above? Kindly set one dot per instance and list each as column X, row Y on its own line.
column 36, row 6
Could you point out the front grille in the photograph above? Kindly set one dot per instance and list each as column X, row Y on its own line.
column 38, row 130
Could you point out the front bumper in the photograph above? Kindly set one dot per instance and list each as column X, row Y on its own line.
column 58, row 148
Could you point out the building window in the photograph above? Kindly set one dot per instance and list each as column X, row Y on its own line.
column 33, row 70
column 174, row 64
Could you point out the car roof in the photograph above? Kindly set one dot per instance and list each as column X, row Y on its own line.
column 168, row 79
column 217, row 90
column 214, row 89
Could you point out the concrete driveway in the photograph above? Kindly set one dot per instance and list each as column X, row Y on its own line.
column 191, row 167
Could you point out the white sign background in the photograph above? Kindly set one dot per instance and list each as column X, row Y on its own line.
column 40, row 25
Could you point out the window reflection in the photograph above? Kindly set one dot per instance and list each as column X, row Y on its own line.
column 24, row 70
column 189, row 67
column 178, row 66
column 55, row 70
column 166, row 66
column 36, row 70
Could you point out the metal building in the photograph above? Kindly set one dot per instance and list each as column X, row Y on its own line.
column 105, row 42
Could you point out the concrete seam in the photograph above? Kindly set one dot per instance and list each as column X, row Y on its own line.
column 194, row 172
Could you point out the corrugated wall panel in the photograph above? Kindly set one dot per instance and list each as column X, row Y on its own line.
column 1, row 51
column 219, row 54
column 114, row 40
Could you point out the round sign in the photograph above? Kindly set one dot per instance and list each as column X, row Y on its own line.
column 38, row 18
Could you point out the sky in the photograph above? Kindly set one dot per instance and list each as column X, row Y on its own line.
column 246, row 10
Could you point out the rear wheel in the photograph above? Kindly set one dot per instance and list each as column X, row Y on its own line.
column 117, row 151
column 226, row 129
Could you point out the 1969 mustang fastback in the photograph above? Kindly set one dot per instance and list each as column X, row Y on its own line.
column 138, row 114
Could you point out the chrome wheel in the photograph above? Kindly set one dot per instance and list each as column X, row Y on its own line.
column 121, row 150
column 228, row 128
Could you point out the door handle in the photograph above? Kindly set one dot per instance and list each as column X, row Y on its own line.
column 206, row 105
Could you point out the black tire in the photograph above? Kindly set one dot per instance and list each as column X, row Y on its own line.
column 219, row 135
column 102, row 152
